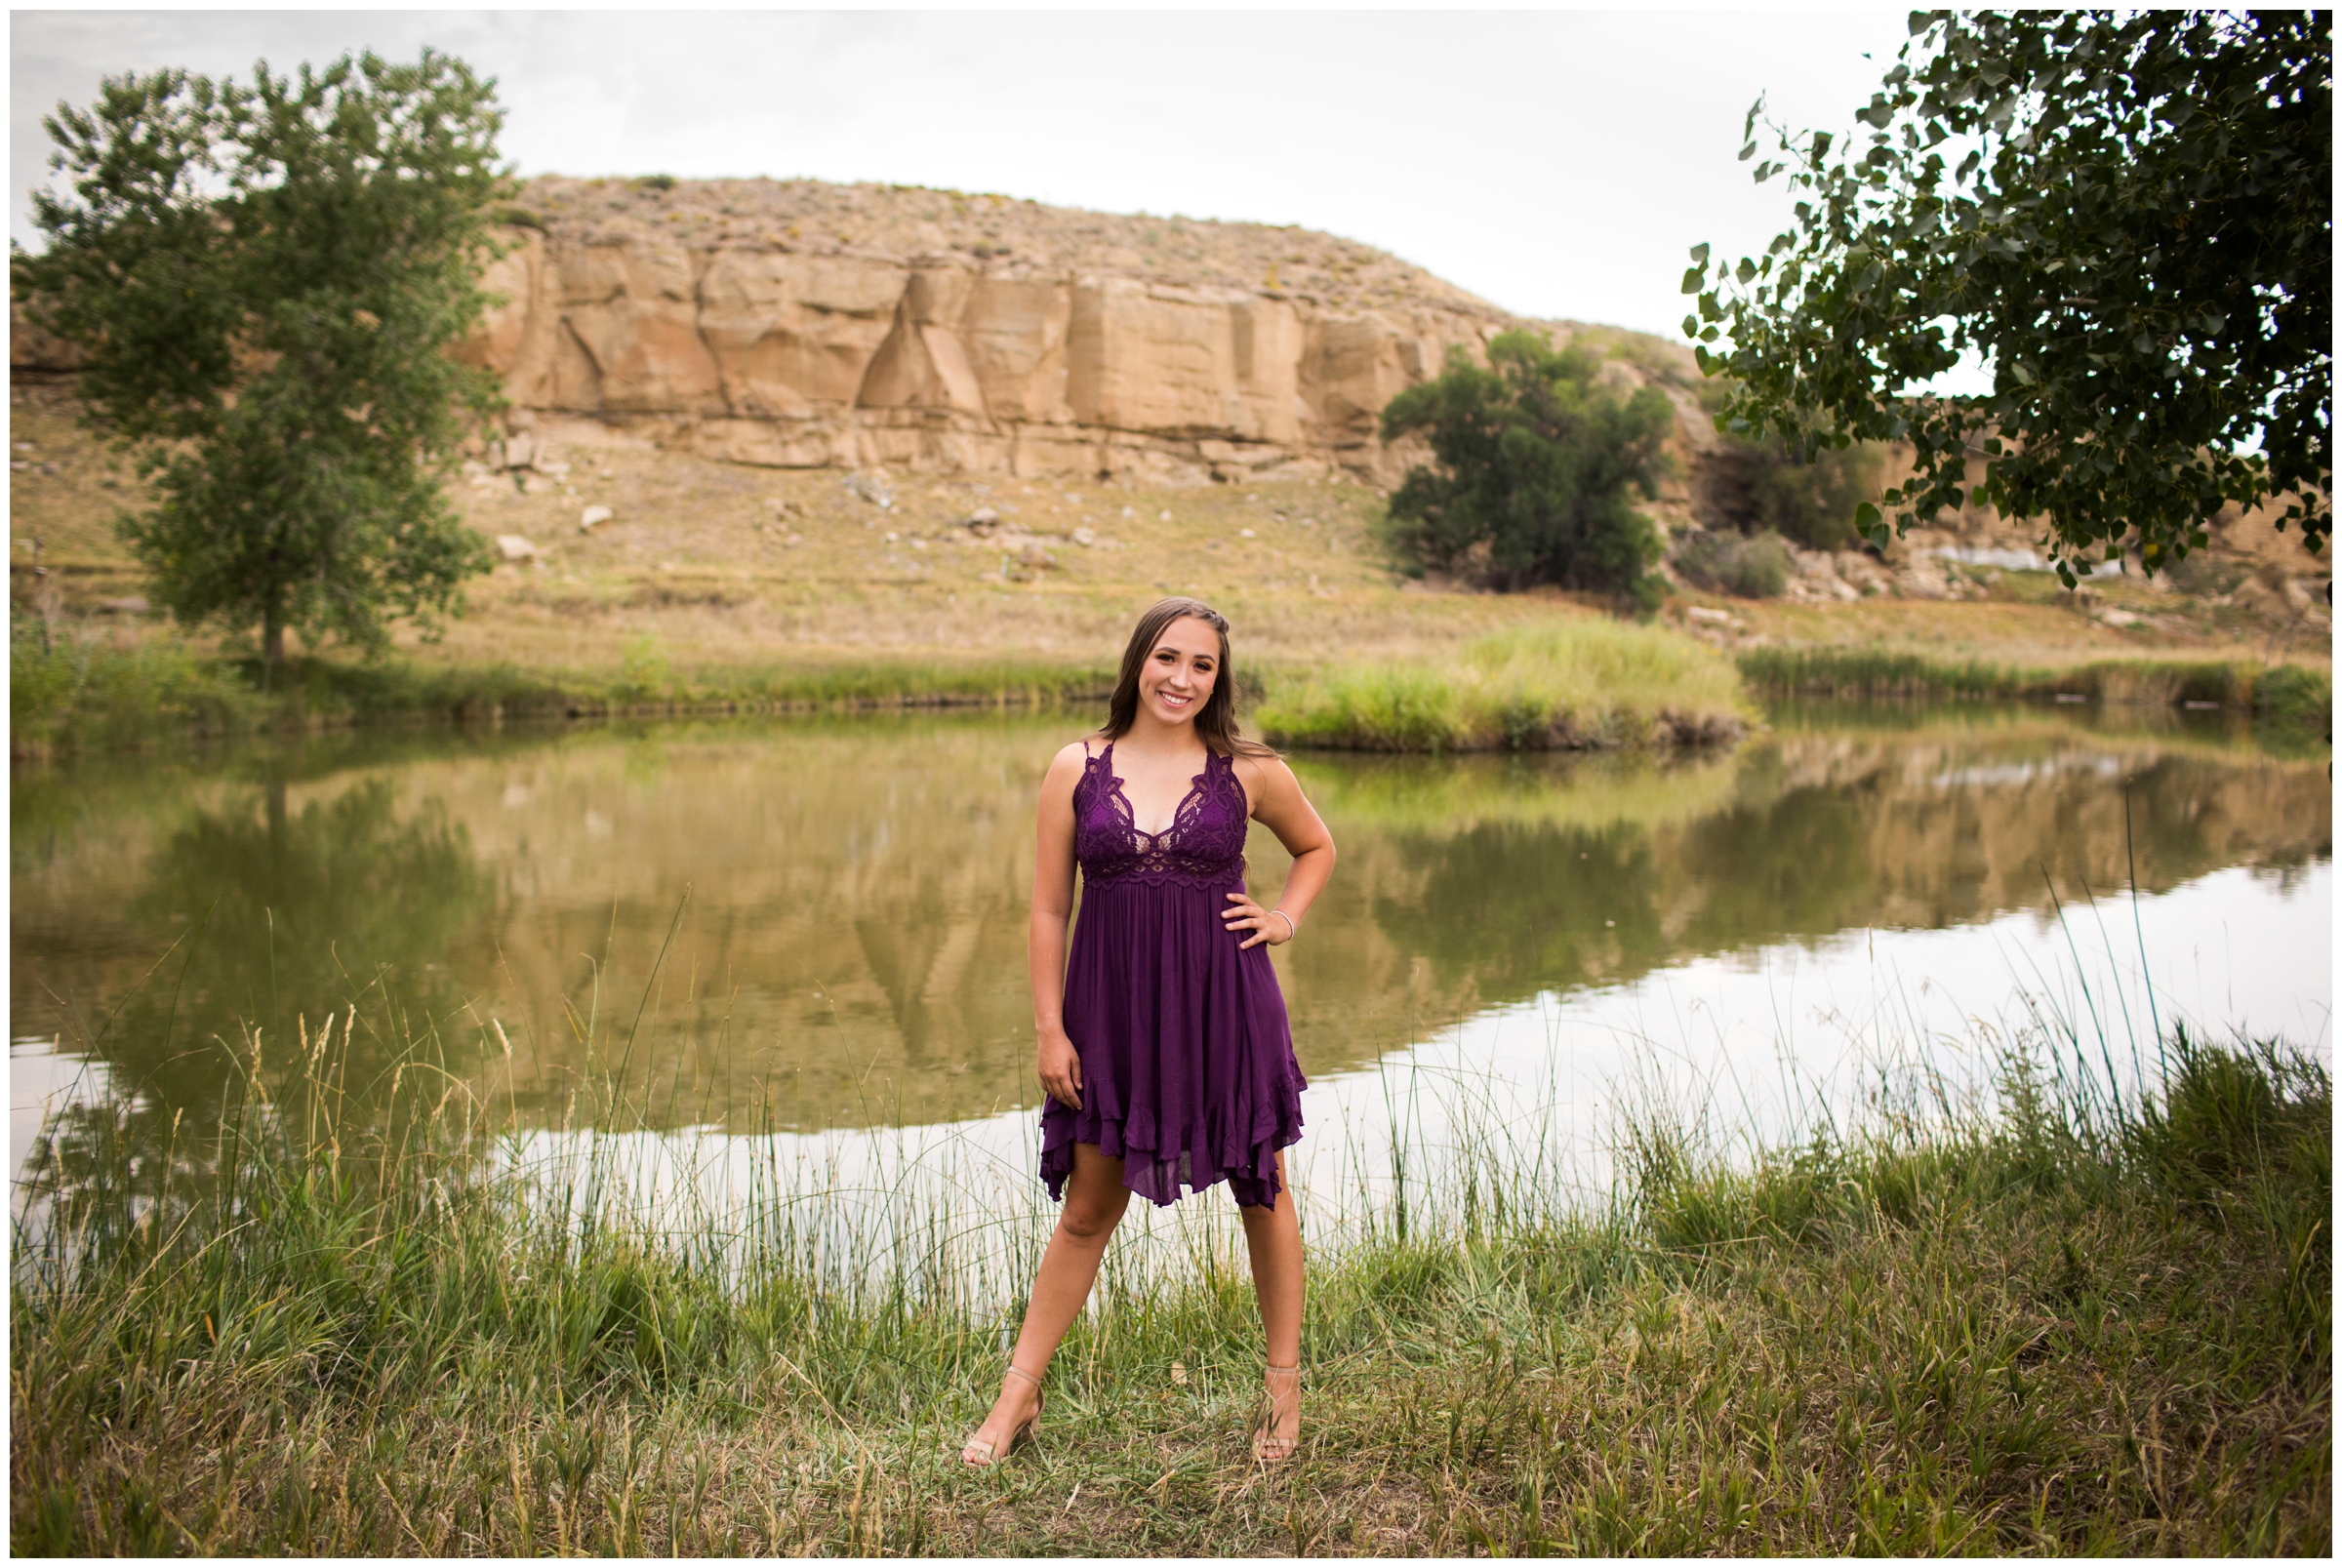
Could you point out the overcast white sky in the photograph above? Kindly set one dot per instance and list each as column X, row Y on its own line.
column 1557, row 163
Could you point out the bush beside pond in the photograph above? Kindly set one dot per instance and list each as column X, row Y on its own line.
column 1750, row 567
column 1584, row 683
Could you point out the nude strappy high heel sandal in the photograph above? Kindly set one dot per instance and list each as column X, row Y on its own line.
column 978, row 1455
column 1267, row 1446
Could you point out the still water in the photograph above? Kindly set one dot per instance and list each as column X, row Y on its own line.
column 814, row 930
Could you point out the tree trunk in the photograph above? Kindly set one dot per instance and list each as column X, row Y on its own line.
column 272, row 643
column 276, row 790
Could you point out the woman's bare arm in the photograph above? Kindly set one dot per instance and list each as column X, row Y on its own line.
column 1281, row 806
column 1059, row 1065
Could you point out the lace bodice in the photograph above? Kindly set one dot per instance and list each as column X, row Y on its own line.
column 1203, row 847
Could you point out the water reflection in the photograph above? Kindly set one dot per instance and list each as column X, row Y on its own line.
column 820, row 924
column 275, row 912
column 1505, row 879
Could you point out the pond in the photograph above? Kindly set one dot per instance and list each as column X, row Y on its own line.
column 812, row 930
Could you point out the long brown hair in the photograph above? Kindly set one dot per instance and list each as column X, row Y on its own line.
column 1217, row 723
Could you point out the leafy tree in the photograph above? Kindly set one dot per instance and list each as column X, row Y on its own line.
column 2137, row 237
column 1536, row 463
column 1763, row 486
column 264, row 278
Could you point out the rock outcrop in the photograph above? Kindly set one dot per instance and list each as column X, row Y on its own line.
column 798, row 325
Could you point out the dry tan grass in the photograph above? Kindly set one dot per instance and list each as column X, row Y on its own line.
column 718, row 567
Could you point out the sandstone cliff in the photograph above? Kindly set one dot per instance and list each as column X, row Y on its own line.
column 797, row 324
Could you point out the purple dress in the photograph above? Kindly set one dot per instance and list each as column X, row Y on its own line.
column 1187, row 1073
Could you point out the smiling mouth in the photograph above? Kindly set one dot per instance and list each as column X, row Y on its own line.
column 1174, row 699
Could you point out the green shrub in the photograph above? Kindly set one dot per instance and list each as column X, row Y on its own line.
column 1747, row 568
column 2296, row 697
column 1535, row 469
column 1762, row 487
column 78, row 683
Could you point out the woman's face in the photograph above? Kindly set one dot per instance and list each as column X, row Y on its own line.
column 1177, row 679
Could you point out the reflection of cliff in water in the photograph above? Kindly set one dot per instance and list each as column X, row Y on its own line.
column 1820, row 834
column 852, row 946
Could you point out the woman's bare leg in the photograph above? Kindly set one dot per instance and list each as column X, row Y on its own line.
column 1095, row 1198
column 1273, row 1234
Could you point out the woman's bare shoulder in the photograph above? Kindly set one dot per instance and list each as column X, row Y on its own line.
column 1071, row 758
column 1263, row 777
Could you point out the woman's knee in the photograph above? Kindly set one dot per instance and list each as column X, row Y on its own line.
column 1089, row 1217
column 1096, row 1196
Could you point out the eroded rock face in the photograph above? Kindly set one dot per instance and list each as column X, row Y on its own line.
column 37, row 354
column 768, row 350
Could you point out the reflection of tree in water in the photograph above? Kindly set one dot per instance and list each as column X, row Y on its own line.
column 306, row 912
column 1506, row 910
column 1517, row 908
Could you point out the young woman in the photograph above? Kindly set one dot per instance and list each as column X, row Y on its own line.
column 1163, row 1044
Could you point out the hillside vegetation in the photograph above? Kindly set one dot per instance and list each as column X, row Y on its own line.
column 713, row 584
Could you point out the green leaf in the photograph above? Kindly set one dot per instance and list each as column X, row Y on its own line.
column 1699, row 255
column 2143, row 242
column 1694, row 279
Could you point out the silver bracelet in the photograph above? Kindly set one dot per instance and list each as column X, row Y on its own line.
column 1291, row 929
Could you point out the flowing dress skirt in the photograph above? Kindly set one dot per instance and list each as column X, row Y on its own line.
column 1187, row 1072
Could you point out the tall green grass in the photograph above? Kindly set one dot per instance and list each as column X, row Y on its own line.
column 73, row 684
column 1563, row 684
column 86, row 690
column 2088, row 1311
column 2292, row 697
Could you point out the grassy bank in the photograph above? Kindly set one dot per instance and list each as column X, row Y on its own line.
column 1584, row 683
column 717, row 587
column 1567, row 681
column 1563, row 681
column 98, row 692
column 2076, row 1323
column 2294, row 691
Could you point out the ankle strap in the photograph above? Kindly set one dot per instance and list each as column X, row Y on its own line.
column 1295, row 1369
column 1016, row 1371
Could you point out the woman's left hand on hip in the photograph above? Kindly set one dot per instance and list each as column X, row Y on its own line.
column 1270, row 926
